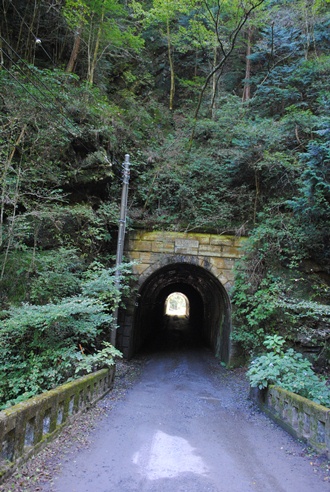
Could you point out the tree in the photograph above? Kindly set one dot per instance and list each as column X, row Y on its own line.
column 101, row 25
column 34, row 31
column 164, row 15
column 226, row 33
column 43, row 151
column 312, row 205
column 247, row 81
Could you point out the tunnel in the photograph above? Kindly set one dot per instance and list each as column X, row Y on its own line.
column 206, row 322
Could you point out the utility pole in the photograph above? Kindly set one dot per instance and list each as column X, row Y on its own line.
column 120, row 241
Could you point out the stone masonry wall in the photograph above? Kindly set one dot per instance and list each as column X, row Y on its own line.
column 216, row 253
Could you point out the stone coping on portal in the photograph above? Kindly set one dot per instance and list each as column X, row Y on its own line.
column 185, row 243
column 155, row 249
column 302, row 418
column 27, row 426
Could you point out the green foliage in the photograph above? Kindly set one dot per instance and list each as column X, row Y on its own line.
column 274, row 343
column 289, row 370
column 271, row 294
column 101, row 283
column 259, row 167
column 14, row 286
column 312, row 206
column 266, row 296
column 56, row 275
column 22, row 378
column 41, row 346
column 256, row 310
column 101, row 359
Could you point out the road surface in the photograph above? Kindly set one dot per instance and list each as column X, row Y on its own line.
column 187, row 426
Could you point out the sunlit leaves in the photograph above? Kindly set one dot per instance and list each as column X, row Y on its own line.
column 103, row 27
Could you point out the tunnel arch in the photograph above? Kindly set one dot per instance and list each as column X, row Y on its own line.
column 210, row 311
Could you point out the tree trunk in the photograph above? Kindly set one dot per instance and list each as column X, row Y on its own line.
column 256, row 199
column 7, row 165
column 1, row 52
column 96, row 50
column 12, row 225
column 170, row 59
column 247, row 85
column 29, row 43
column 214, row 82
column 226, row 53
column 75, row 50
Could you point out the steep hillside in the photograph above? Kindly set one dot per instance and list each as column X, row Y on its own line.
column 224, row 109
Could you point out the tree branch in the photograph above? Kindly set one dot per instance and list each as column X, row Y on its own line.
column 226, row 54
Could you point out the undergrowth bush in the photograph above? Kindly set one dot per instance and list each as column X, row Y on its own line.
column 289, row 370
column 92, row 362
column 42, row 346
column 277, row 290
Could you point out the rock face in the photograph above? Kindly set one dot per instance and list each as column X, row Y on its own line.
column 312, row 333
column 312, row 338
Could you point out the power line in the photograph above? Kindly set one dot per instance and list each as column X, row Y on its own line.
column 45, row 107
column 35, row 37
column 39, row 42
column 55, row 108
column 41, row 82
column 27, row 66
column 34, row 97
column 41, row 104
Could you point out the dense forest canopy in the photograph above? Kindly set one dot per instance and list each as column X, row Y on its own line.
column 224, row 107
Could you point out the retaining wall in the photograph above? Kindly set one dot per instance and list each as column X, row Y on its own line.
column 27, row 426
column 301, row 417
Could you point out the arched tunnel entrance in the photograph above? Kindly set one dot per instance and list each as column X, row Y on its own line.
column 207, row 320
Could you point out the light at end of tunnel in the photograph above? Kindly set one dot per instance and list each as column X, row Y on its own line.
column 177, row 304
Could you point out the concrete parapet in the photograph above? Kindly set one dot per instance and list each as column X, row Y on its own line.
column 302, row 418
column 27, row 426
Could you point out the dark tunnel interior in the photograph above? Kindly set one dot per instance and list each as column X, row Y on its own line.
column 207, row 324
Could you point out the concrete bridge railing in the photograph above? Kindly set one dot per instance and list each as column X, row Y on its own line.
column 27, row 426
column 302, row 418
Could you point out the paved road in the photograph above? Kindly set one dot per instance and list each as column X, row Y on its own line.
column 186, row 426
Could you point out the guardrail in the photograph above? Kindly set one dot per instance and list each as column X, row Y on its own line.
column 27, row 426
column 299, row 416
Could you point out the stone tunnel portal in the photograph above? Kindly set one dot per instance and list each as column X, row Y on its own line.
column 208, row 321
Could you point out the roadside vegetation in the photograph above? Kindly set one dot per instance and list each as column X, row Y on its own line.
column 289, row 370
column 224, row 107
